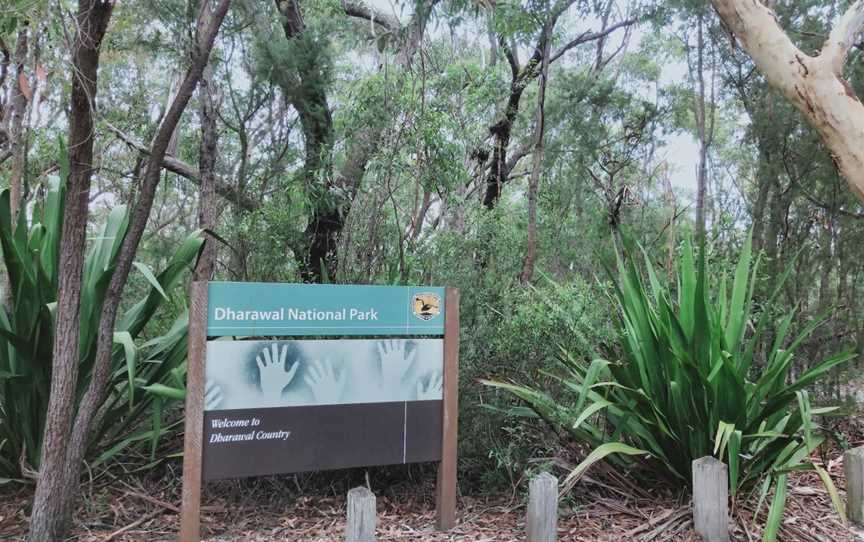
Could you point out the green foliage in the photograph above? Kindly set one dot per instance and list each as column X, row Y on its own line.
column 513, row 331
column 139, row 368
column 687, row 383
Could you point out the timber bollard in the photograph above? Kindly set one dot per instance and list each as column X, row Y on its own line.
column 711, row 499
column 853, row 468
column 360, row 525
column 542, row 520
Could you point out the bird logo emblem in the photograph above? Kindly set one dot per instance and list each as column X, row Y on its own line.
column 426, row 306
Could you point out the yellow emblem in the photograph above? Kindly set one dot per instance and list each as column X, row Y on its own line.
column 426, row 306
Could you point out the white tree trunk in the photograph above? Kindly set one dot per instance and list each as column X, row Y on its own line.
column 814, row 84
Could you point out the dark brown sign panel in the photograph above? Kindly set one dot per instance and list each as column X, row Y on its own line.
column 261, row 441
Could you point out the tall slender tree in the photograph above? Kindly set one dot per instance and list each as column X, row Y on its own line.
column 51, row 505
column 67, row 429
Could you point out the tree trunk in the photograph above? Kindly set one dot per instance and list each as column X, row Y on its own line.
column 332, row 199
column 534, row 181
column 672, row 228
column 704, row 127
column 309, row 99
column 827, row 260
column 14, row 124
column 813, row 84
column 64, row 459
column 773, row 240
column 209, row 21
column 501, row 131
column 207, row 167
column 52, row 503
column 520, row 76
column 764, row 182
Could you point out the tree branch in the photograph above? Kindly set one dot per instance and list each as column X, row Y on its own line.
column 414, row 32
column 822, row 205
column 361, row 11
column 511, row 58
column 175, row 165
column 813, row 85
column 843, row 37
column 590, row 36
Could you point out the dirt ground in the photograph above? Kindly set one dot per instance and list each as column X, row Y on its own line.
column 136, row 502
column 137, row 509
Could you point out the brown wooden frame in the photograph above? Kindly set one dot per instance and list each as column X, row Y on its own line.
column 190, row 514
column 445, row 500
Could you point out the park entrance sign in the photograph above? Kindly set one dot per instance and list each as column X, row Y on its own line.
column 265, row 309
column 258, row 405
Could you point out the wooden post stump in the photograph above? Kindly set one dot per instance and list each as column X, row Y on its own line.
column 360, row 526
column 853, row 467
column 711, row 499
column 542, row 520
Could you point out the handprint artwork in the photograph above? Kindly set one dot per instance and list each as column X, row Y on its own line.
column 431, row 390
column 262, row 374
column 394, row 362
column 326, row 386
column 273, row 376
column 212, row 395
column 301, row 405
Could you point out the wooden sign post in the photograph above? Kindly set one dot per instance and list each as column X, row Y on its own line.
column 446, row 493
column 260, row 407
column 190, row 516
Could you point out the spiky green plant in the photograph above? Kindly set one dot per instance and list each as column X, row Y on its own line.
column 139, row 371
column 701, row 372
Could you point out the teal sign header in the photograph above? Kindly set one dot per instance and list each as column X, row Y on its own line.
column 277, row 309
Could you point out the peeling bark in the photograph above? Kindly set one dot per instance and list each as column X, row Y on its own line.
column 14, row 122
column 813, row 84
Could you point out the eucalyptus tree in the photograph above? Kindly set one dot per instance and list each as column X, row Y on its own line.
column 301, row 66
column 516, row 26
column 799, row 214
column 814, row 84
column 52, row 503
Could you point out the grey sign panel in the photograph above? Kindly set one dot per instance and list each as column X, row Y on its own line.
column 262, row 374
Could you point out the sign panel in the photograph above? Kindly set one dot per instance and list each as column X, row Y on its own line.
column 292, row 406
column 264, row 309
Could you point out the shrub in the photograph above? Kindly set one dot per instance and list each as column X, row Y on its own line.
column 686, row 385
column 142, row 374
column 516, row 331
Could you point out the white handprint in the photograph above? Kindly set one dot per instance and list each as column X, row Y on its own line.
column 432, row 390
column 326, row 385
column 212, row 395
column 273, row 375
column 394, row 362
